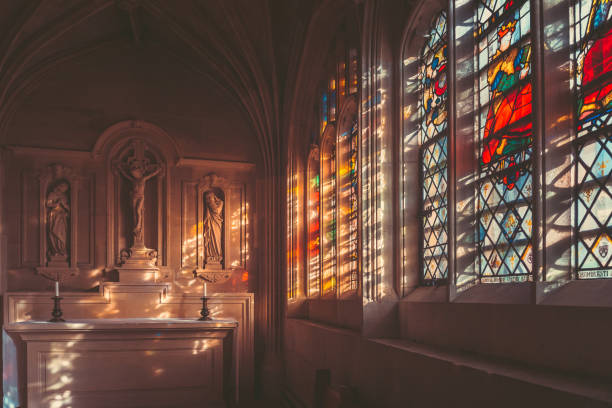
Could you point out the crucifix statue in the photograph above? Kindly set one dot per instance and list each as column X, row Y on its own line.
column 137, row 168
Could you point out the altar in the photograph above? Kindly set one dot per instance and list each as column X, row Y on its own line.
column 133, row 239
column 131, row 362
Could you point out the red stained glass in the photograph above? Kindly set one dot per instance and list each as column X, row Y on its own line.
column 504, row 188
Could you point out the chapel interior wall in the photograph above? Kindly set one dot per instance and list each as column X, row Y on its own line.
column 60, row 119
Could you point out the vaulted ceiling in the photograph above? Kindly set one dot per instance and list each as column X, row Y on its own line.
column 251, row 48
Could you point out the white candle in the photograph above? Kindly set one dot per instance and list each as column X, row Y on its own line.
column 56, row 288
column 204, row 289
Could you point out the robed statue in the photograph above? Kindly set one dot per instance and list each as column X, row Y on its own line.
column 212, row 229
column 58, row 215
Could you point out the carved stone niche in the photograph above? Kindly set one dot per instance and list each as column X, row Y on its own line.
column 58, row 222
column 138, row 170
column 133, row 150
column 213, row 228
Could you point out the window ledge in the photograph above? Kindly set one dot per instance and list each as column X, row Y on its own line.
column 585, row 293
column 500, row 293
column 593, row 388
column 326, row 326
column 428, row 294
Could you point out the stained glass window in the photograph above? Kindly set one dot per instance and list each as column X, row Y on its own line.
column 332, row 197
column 323, row 111
column 353, row 212
column 593, row 82
column 348, row 202
column 332, row 99
column 353, row 71
column 341, row 82
column 292, row 228
column 314, row 229
column 505, row 134
column 329, row 214
column 433, row 152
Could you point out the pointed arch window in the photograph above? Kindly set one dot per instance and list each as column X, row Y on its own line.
column 592, row 30
column 333, row 232
column 505, row 134
column 433, row 136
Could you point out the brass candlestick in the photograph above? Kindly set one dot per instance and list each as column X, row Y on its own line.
column 205, row 313
column 57, row 310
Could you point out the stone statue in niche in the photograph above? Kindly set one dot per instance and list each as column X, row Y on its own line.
column 137, row 168
column 58, row 221
column 213, row 228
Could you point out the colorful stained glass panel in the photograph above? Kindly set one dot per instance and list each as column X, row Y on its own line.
column 433, row 152
column 593, row 33
column 329, row 218
column 353, row 214
column 593, row 82
column 505, row 132
column 314, row 229
column 432, row 81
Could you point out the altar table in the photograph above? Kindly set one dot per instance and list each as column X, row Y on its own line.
column 147, row 362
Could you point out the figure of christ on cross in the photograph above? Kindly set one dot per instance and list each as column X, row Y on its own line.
column 138, row 169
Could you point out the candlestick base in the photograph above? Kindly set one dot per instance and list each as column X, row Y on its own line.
column 205, row 313
column 57, row 310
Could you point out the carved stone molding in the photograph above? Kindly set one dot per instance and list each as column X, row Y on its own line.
column 153, row 133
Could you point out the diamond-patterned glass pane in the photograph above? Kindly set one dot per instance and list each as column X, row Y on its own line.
column 504, row 189
column 593, row 80
column 433, row 151
column 593, row 207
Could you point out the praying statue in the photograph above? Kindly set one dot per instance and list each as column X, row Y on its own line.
column 213, row 228
column 58, row 214
column 138, row 169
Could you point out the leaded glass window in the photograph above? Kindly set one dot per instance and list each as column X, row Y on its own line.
column 505, row 134
column 314, row 228
column 348, row 239
column 324, row 117
column 292, row 235
column 593, row 83
column 353, row 210
column 332, row 99
column 433, row 152
column 329, row 215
